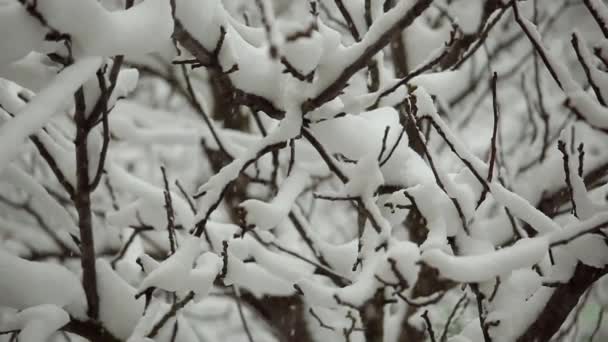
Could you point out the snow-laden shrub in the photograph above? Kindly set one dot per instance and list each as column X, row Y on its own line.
column 365, row 170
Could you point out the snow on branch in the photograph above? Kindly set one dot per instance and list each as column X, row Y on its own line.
column 319, row 170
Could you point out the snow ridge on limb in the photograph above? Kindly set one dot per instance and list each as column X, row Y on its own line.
column 25, row 284
column 348, row 196
column 44, row 105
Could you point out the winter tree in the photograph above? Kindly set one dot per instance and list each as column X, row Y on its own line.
column 306, row 170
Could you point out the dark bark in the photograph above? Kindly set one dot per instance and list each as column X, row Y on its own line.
column 286, row 315
column 561, row 303
column 372, row 316
column 338, row 85
column 90, row 330
column 209, row 59
column 82, row 202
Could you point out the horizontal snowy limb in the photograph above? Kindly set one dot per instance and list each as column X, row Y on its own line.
column 478, row 268
column 573, row 231
column 20, row 32
column 25, row 284
column 579, row 240
column 255, row 278
column 95, row 31
column 54, row 214
column 37, row 323
column 398, row 266
column 44, row 105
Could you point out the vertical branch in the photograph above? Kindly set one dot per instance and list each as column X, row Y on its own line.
column 561, row 145
column 170, row 212
column 372, row 317
column 349, row 20
column 581, row 159
column 397, row 47
column 175, row 330
column 541, row 103
column 411, row 113
column 84, row 185
column 239, row 305
column 429, row 326
column 494, row 129
column 493, row 140
column 584, row 59
column 267, row 22
column 373, row 69
column 482, row 316
column 82, row 202
column 368, row 13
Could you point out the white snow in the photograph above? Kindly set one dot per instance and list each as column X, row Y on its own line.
column 21, row 33
column 523, row 209
column 150, row 202
column 268, row 215
column 144, row 28
column 36, row 323
column 201, row 278
column 587, row 248
column 406, row 256
column 478, row 268
column 30, row 72
column 335, row 54
column 43, row 106
column 213, row 188
column 255, row 278
column 118, row 309
column 304, row 54
column 25, row 284
column 172, row 273
column 49, row 208
column 156, row 126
